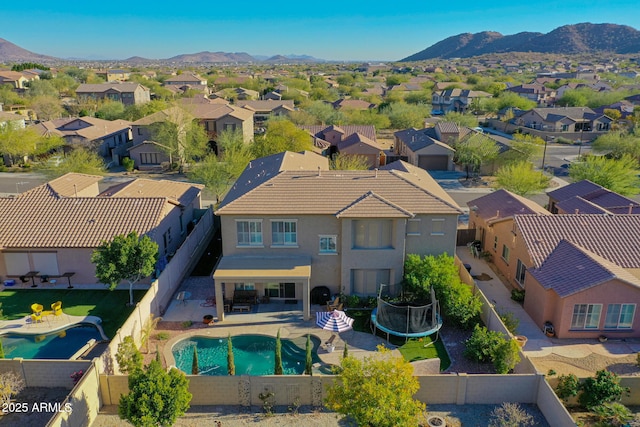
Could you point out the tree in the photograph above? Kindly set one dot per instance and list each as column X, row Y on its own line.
column 277, row 368
column 110, row 110
column 618, row 175
column 308, row 361
column 79, row 160
column 475, row 151
column 602, row 388
column 147, row 328
column 194, row 362
column 46, row 107
column 231, row 366
column 510, row 415
column 10, row 385
column 180, row 136
column 520, row 178
column 617, row 144
column 129, row 258
column 18, row 143
column 128, row 357
column 568, row 386
column 403, row 116
column 156, row 397
column 377, row 391
column 343, row 162
column 281, row 135
column 461, row 119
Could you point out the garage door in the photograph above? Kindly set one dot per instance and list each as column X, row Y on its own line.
column 433, row 163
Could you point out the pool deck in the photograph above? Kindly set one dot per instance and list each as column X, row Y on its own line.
column 50, row 323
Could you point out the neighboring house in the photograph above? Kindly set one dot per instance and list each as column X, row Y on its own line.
column 185, row 81
column 14, row 79
column 535, row 92
column 15, row 120
column 114, row 75
column 586, row 197
column 348, row 139
column 422, row 150
column 352, row 104
column 456, row 100
column 264, row 109
column 149, row 155
column 566, row 119
column 53, row 229
column 275, row 96
column 278, row 239
column 127, row 93
column 572, row 267
column 109, row 138
column 240, row 93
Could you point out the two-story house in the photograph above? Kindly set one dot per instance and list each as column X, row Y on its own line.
column 536, row 92
column 53, row 229
column 127, row 93
column 290, row 224
column 185, row 81
column 359, row 140
column 266, row 108
column 456, row 100
column 580, row 122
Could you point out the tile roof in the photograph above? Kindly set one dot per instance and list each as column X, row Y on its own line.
column 50, row 216
column 181, row 192
column 613, row 237
column 501, row 204
column 103, row 87
column 329, row 192
column 374, row 206
column 318, row 130
column 358, row 144
column 265, row 105
column 579, row 188
column 570, row 269
column 417, row 139
column 582, row 194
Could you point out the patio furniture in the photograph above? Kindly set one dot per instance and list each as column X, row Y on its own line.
column 37, row 308
column 183, row 296
column 57, row 308
column 30, row 275
column 245, row 297
column 333, row 305
column 36, row 318
column 69, row 275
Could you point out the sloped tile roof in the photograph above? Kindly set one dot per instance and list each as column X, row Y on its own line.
column 570, row 269
column 318, row 131
column 358, row 144
column 181, row 192
column 577, row 195
column 328, row 192
column 579, row 188
column 103, row 87
column 577, row 204
column 69, row 184
column 504, row 204
column 417, row 139
column 613, row 237
column 372, row 205
column 265, row 105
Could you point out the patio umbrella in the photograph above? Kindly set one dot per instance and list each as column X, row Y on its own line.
column 335, row 321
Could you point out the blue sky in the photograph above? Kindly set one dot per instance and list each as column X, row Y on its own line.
column 334, row 30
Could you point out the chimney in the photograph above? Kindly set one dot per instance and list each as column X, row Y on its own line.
column 498, row 213
column 376, row 170
column 630, row 208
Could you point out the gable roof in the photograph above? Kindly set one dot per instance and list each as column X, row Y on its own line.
column 266, row 105
column 570, row 269
column 103, row 87
column 588, row 197
column 318, row 131
column 358, row 144
column 613, row 237
column 298, row 192
column 417, row 139
column 181, row 192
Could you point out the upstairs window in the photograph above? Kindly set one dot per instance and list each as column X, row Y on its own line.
column 284, row 233
column 372, row 234
column 249, row 232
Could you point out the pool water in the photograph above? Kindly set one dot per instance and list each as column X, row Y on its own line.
column 56, row 345
column 252, row 354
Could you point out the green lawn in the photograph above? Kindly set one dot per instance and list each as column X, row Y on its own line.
column 414, row 349
column 110, row 306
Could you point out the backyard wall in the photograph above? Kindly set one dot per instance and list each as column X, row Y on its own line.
column 162, row 290
column 44, row 373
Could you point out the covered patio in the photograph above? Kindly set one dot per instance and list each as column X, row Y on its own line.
column 253, row 269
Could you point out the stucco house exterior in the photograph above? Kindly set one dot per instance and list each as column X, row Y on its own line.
column 580, row 272
column 457, row 100
column 581, row 120
column 265, row 108
column 357, row 140
column 127, row 93
column 54, row 228
column 423, row 150
column 290, row 224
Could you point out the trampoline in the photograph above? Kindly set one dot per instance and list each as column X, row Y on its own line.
column 406, row 320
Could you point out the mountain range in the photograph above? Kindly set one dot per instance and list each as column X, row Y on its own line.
column 568, row 39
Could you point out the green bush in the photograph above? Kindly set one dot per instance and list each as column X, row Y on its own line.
column 128, row 163
column 482, row 344
column 563, row 140
column 568, row 386
column 511, row 322
column 509, row 415
column 162, row 336
column 604, row 387
column 506, row 356
column 517, row 295
column 612, row 414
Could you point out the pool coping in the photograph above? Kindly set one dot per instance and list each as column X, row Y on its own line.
column 50, row 324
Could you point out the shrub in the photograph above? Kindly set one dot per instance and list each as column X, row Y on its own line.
column 128, row 163
column 511, row 322
column 162, row 336
column 128, row 357
column 604, row 387
column 10, row 385
column 612, row 414
column 186, row 324
column 506, row 356
column 510, row 415
column 517, row 295
column 482, row 344
column 568, row 386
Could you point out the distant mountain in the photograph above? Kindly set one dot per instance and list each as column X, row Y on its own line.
column 10, row 52
column 288, row 59
column 568, row 39
column 213, row 57
column 137, row 59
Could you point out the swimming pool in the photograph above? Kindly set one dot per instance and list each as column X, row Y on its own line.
column 55, row 345
column 252, row 354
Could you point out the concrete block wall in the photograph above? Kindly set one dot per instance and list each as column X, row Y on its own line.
column 85, row 401
column 551, row 407
column 45, row 373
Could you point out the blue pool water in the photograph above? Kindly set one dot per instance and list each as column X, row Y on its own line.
column 57, row 345
column 253, row 354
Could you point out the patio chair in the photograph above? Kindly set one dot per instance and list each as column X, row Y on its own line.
column 57, row 308
column 332, row 305
column 36, row 318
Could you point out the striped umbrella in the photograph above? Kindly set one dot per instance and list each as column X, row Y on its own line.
column 335, row 321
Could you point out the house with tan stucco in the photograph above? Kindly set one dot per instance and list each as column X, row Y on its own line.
column 289, row 224
column 52, row 230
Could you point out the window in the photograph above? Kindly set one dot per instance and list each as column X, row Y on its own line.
column 283, row 233
column 372, row 234
column 367, row 281
column 230, row 127
column 619, row 316
column 149, row 158
column 521, row 271
column 437, row 227
column 505, row 253
column 249, row 233
column 244, row 286
column 495, row 243
column 586, row 316
column 413, row 227
column 280, row 290
column 328, row 244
